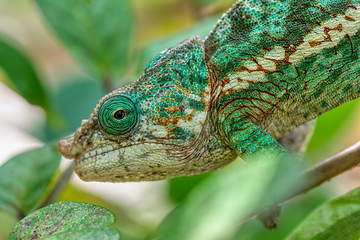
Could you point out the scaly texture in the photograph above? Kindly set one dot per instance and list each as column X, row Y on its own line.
column 266, row 68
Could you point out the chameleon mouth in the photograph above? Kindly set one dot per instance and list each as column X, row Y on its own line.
column 113, row 155
column 98, row 151
column 103, row 153
column 111, row 152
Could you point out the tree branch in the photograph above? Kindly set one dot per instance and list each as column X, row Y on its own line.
column 327, row 169
column 59, row 186
column 319, row 174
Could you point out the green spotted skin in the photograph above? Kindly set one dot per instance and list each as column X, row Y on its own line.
column 289, row 62
column 265, row 69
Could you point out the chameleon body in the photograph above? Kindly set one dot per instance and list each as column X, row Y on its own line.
column 266, row 68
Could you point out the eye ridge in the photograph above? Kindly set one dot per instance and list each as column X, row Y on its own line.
column 120, row 114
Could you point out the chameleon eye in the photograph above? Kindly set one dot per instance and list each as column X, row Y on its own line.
column 118, row 115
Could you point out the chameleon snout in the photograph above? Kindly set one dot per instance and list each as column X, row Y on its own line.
column 65, row 148
column 69, row 148
column 73, row 147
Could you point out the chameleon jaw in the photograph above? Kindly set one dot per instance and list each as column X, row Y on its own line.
column 91, row 163
column 140, row 161
column 115, row 163
column 87, row 156
column 88, row 161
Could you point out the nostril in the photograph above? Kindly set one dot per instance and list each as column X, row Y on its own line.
column 89, row 143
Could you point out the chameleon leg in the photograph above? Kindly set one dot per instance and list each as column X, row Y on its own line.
column 270, row 217
column 295, row 142
column 249, row 140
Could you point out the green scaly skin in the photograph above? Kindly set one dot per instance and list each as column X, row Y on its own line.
column 266, row 68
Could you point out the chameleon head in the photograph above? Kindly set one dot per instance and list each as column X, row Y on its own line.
column 117, row 143
column 152, row 129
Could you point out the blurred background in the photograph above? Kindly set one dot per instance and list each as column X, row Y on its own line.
column 72, row 82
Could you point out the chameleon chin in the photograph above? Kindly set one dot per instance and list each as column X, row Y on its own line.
column 263, row 71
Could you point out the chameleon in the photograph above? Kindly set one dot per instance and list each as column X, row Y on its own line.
column 266, row 68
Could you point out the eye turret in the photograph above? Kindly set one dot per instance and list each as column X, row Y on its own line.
column 118, row 115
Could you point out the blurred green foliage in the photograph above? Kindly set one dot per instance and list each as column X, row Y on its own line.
column 336, row 219
column 24, row 78
column 25, row 178
column 214, row 207
column 113, row 41
column 97, row 34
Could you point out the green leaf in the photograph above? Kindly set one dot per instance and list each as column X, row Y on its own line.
column 67, row 220
column 337, row 219
column 127, row 223
column 217, row 205
column 292, row 213
column 25, row 178
column 23, row 77
column 179, row 188
column 153, row 48
column 97, row 34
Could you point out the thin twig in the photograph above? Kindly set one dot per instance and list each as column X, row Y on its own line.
column 321, row 173
column 328, row 169
column 59, row 186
